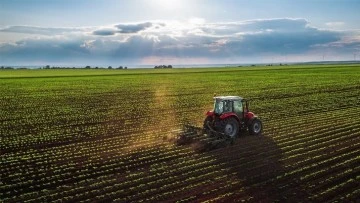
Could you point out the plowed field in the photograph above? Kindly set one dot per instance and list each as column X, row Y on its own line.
column 103, row 135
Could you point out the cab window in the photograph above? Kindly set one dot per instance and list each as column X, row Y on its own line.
column 238, row 107
column 228, row 106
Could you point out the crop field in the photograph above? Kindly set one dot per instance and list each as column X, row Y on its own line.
column 105, row 135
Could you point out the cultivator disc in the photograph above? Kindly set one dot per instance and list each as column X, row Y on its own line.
column 201, row 140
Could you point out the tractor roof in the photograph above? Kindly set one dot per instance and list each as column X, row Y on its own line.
column 229, row 98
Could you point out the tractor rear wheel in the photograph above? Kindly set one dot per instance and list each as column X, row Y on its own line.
column 255, row 127
column 230, row 127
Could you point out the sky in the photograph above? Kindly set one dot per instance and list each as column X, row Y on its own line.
column 155, row 32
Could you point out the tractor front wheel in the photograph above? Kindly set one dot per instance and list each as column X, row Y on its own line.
column 230, row 127
column 255, row 127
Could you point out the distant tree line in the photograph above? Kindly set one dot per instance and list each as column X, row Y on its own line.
column 62, row 67
column 86, row 67
column 163, row 66
column 8, row 67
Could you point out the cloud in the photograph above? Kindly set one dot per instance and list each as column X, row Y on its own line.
column 335, row 24
column 282, row 24
column 104, row 32
column 44, row 49
column 255, row 26
column 40, row 30
column 124, row 29
column 243, row 41
column 285, row 42
column 133, row 28
column 349, row 43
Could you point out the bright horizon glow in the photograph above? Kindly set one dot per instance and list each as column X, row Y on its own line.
column 129, row 32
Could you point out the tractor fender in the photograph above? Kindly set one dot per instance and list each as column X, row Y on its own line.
column 249, row 115
column 228, row 115
column 210, row 113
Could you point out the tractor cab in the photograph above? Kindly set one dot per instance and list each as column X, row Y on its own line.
column 230, row 104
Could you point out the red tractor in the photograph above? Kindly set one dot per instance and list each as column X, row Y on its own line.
column 231, row 115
